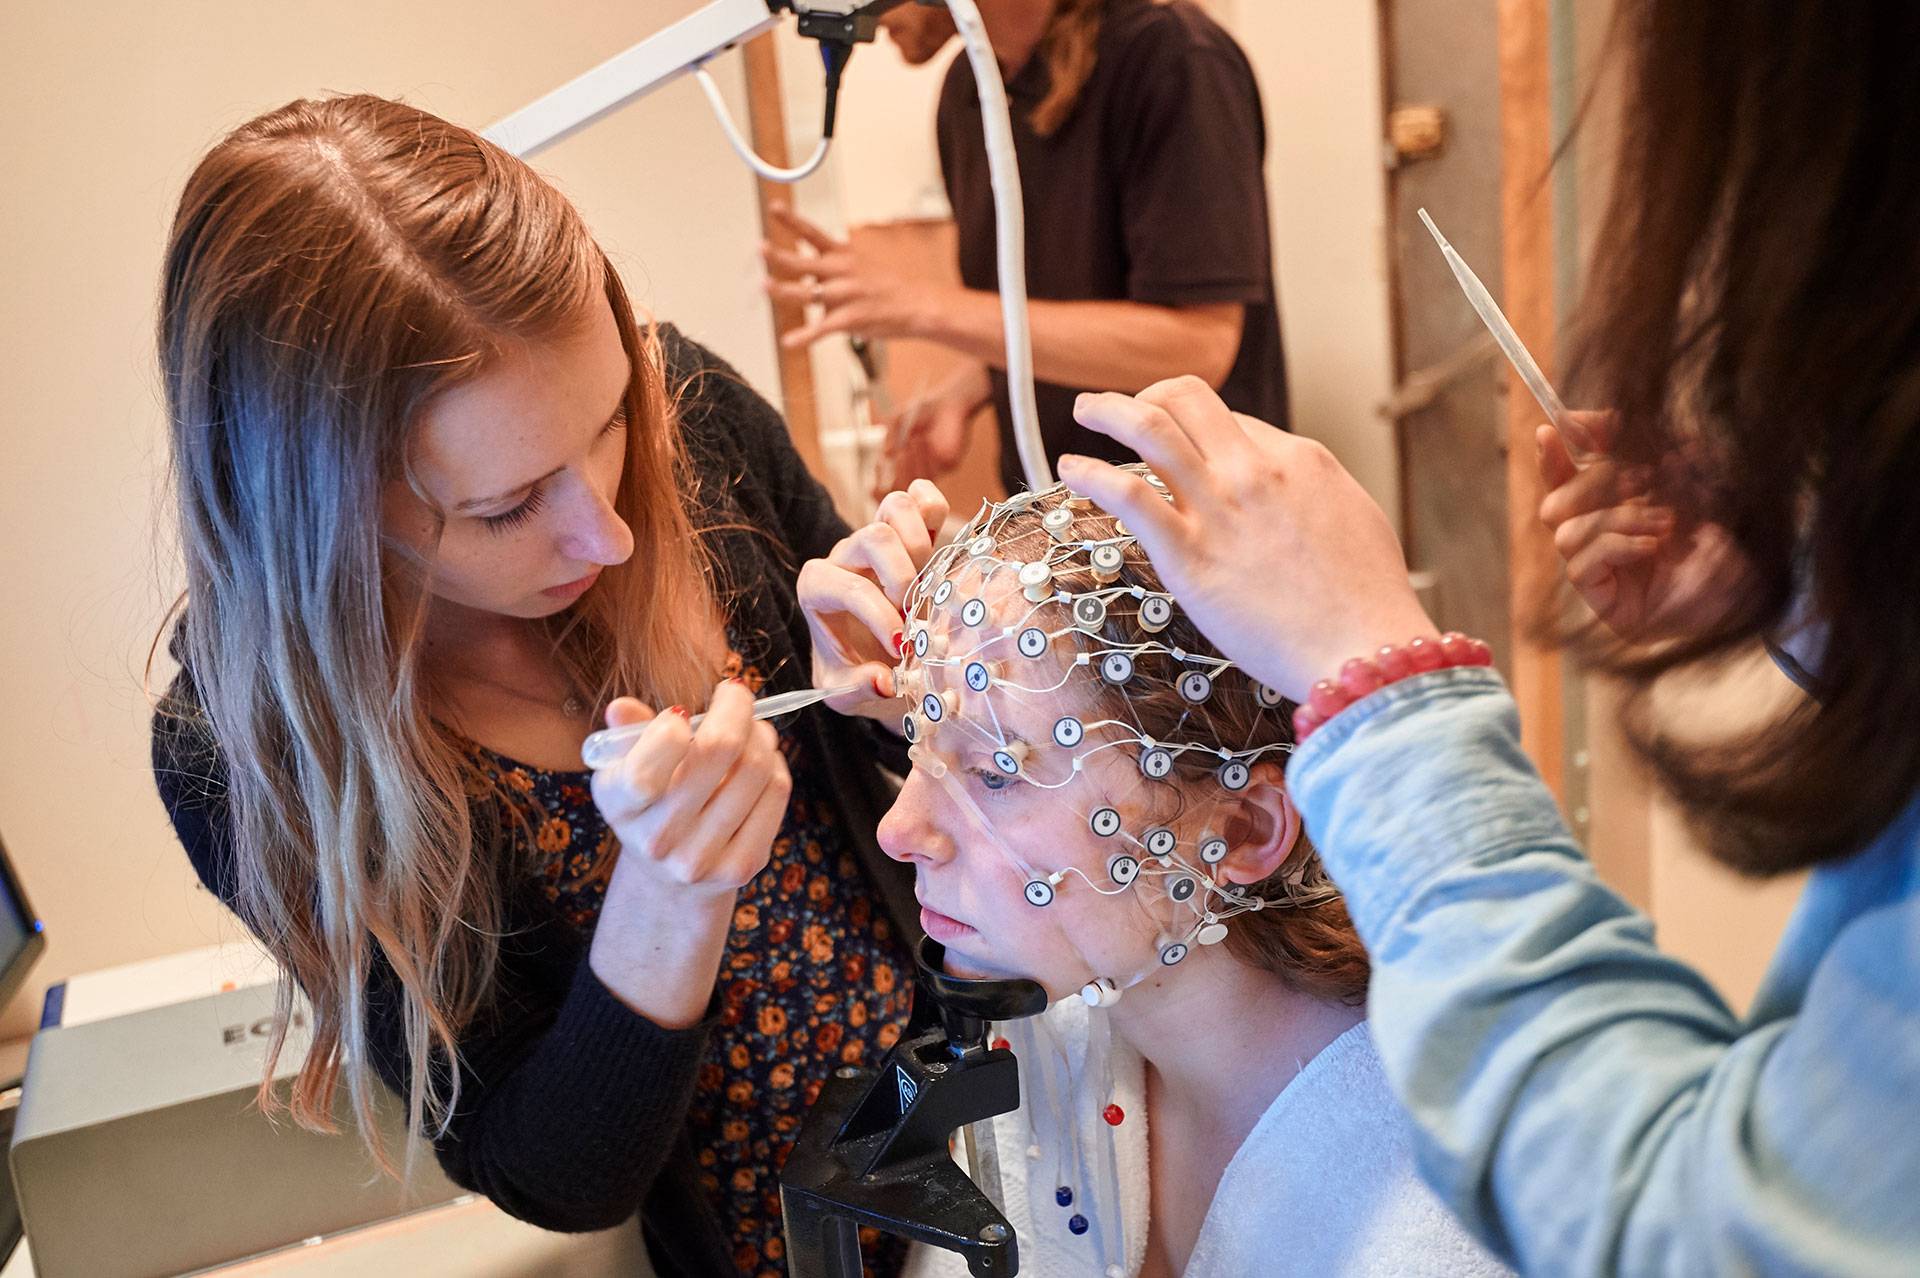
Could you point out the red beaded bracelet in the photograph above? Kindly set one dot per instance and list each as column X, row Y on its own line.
column 1391, row 664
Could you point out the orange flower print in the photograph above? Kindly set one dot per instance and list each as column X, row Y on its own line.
column 828, row 1036
column 786, row 1123
column 854, row 967
column 853, row 1051
column 792, row 877
column 746, row 918
column 746, row 1258
column 739, row 1057
column 554, row 835
column 856, row 1014
column 817, row 891
column 780, row 931
column 773, row 1020
column 824, row 1003
column 743, row 1180
column 736, row 1130
column 518, row 779
column 889, row 1035
column 781, row 1075
column 883, row 978
column 740, row 1093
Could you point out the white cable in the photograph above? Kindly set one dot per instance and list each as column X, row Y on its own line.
column 743, row 148
column 1011, row 240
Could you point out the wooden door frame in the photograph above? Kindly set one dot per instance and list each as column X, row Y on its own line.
column 1528, row 271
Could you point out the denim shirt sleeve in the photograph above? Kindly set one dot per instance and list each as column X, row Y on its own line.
column 1586, row 1104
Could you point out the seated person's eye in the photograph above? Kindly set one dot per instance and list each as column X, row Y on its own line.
column 992, row 778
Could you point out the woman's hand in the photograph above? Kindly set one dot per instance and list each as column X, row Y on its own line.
column 696, row 813
column 1645, row 575
column 855, row 293
column 852, row 598
column 928, row 437
column 1274, row 550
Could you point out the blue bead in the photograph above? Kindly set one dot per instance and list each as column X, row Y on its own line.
column 1077, row 1223
column 1063, row 1196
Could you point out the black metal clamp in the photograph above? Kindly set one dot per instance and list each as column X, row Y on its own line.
column 874, row 1149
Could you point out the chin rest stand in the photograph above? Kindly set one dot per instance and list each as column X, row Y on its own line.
column 874, row 1149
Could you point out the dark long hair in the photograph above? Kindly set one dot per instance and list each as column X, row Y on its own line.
column 1755, row 307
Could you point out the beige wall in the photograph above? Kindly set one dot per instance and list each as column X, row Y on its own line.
column 108, row 106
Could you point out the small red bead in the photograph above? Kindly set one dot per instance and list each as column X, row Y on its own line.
column 1394, row 663
column 1114, row 1115
column 1359, row 677
column 1001, row 1045
column 1453, row 648
column 1327, row 700
column 1304, row 722
column 1424, row 654
column 1478, row 654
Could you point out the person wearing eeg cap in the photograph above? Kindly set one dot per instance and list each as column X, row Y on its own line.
column 1098, row 802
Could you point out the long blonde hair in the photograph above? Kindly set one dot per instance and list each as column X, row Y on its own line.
column 333, row 265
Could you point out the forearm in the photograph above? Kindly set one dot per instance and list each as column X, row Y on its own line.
column 567, row 1124
column 1587, row 1104
column 1124, row 346
column 659, row 951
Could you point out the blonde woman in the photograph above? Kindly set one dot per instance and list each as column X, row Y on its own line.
column 443, row 502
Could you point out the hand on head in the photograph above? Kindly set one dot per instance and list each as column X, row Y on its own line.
column 852, row 598
column 1274, row 550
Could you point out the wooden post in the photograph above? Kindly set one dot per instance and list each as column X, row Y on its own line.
column 767, row 120
column 1527, row 260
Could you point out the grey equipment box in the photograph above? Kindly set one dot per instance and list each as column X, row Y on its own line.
column 139, row 1150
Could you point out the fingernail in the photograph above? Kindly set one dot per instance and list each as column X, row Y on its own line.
column 679, row 710
column 1070, row 460
column 899, row 642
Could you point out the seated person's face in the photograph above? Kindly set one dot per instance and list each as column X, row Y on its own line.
column 1076, row 816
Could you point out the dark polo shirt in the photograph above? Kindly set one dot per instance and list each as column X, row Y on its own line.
column 1150, row 191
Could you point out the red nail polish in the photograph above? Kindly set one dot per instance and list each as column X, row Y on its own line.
column 679, row 710
column 899, row 642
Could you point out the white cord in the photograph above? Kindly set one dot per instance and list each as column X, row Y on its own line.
column 743, row 148
column 1011, row 240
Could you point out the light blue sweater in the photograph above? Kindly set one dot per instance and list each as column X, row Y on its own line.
column 1586, row 1104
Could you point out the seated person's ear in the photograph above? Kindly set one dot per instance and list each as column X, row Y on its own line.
column 1262, row 827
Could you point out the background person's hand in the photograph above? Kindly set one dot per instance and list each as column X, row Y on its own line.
column 1276, row 552
column 855, row 294
column 852, row 598
column 1646, row 575
column 927, row 438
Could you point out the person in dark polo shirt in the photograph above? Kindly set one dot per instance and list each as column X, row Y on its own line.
column 1141, row 144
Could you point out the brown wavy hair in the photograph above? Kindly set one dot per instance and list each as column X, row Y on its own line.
column 335, row 264
column 1304, row 938
column 1753, row 309
column 1071, row 47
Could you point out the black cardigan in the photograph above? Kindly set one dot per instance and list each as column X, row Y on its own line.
column 572, row 1111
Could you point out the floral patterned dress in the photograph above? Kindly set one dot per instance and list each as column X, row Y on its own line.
column 813, row 977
